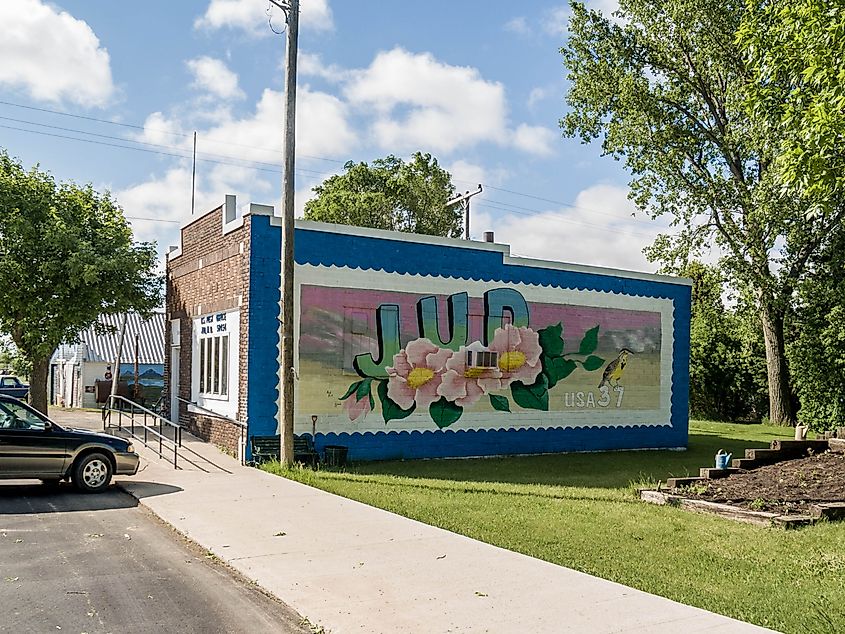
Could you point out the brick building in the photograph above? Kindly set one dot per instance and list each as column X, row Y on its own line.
column 416, row 346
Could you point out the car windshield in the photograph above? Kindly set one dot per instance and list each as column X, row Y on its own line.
column 19, row 416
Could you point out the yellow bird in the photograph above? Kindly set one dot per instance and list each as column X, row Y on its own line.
column 613, row 371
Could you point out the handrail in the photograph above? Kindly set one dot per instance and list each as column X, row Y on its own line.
column 108, row 408
column 241, row 426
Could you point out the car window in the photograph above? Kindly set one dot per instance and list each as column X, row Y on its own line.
column 9, row 382
column 15, row 416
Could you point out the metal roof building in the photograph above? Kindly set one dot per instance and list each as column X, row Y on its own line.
column 94, row 346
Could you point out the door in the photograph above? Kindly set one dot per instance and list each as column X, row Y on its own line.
column 28, row 446
column 175, row 363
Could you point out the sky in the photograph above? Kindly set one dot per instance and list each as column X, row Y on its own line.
column 111, row 93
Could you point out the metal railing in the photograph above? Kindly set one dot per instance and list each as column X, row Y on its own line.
column 242, row 428
column 133, row 418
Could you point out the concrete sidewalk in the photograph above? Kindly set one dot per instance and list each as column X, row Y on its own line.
column 350, row 567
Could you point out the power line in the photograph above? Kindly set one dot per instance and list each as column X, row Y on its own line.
column 498, row 207
column 223, row 159
column 162, row 131
column 249, row 165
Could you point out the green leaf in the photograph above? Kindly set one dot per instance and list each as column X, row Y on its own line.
column 557, row 368
column 352, row 388
column 444, row 412
column 389, row 409
column 500, row 403
column 590, row 341
column 551, row 340
column 535, row 396
column 593, row 363
column 363, row 389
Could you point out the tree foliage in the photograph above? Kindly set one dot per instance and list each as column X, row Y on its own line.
column 796, row 49
column 727, row 361
column 667, row 91
column 66, row 257
column 390, row 194
column 817, row 349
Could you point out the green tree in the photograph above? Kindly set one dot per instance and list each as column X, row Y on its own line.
column 390, row 194
column 727, row 369
column 817, row 349
column 66, row 257
column 666, row 91
column 796, row 50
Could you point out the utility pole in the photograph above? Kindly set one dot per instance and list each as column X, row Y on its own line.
column 286, row 360
column 115, row 377
column 464, row 200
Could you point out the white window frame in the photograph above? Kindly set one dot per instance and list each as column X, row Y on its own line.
column 215, row 360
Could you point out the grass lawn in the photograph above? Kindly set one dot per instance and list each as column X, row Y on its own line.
column 580, row 511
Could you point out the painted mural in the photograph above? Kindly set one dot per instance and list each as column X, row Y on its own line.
column 376, row 360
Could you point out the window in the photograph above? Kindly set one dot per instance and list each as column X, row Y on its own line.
column 15, row 416
column 481, row 359
column 214, row 365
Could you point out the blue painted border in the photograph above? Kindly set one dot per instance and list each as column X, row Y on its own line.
column 328, row 248
column 263, row 339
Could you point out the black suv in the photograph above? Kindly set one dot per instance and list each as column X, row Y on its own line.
column 33, row 446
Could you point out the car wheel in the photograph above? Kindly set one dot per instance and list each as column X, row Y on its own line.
column 92, row 473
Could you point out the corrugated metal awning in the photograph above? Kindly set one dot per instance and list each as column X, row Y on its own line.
column 103, row 346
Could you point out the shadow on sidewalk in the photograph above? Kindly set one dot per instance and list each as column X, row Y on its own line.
column 141, row 489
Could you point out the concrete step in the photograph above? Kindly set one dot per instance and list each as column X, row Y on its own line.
column 714, row 474
column 744, row 463
column 829, row 510
column 674, row 483
column 794, row 521
column 794, row 448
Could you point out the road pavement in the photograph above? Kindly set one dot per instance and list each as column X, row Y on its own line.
column 71, row 562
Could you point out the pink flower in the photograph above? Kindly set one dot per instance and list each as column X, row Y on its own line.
column 463, row 384
column 417, row 373
column 519, row 354
column 355, row 407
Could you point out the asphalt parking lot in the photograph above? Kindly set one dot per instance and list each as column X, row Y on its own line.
column 71, row 562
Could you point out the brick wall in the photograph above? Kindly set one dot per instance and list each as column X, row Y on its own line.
column 210, row 275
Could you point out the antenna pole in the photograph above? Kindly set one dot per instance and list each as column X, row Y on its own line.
column 194, row 174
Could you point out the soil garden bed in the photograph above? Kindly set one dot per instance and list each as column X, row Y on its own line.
column 791, row 484
column 788, row 487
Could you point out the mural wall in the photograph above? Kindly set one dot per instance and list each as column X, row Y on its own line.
column 382, row 352
column 413, row 346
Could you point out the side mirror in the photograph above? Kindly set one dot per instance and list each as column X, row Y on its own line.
column 48, row 426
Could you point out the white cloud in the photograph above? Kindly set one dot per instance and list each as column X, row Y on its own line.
column 538, row 94
column 518, row 25
column 214, row 77
column 252, row 16
column 534, row 139
column 322, row 128
column 421, row 103
column 149, row 203
column 467, row 175
column 311, row 65
column 598, row 231
column 52, row 55
column 556, row 21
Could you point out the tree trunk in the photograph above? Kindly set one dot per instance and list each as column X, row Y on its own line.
column 780, row 401
column 38, row 384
